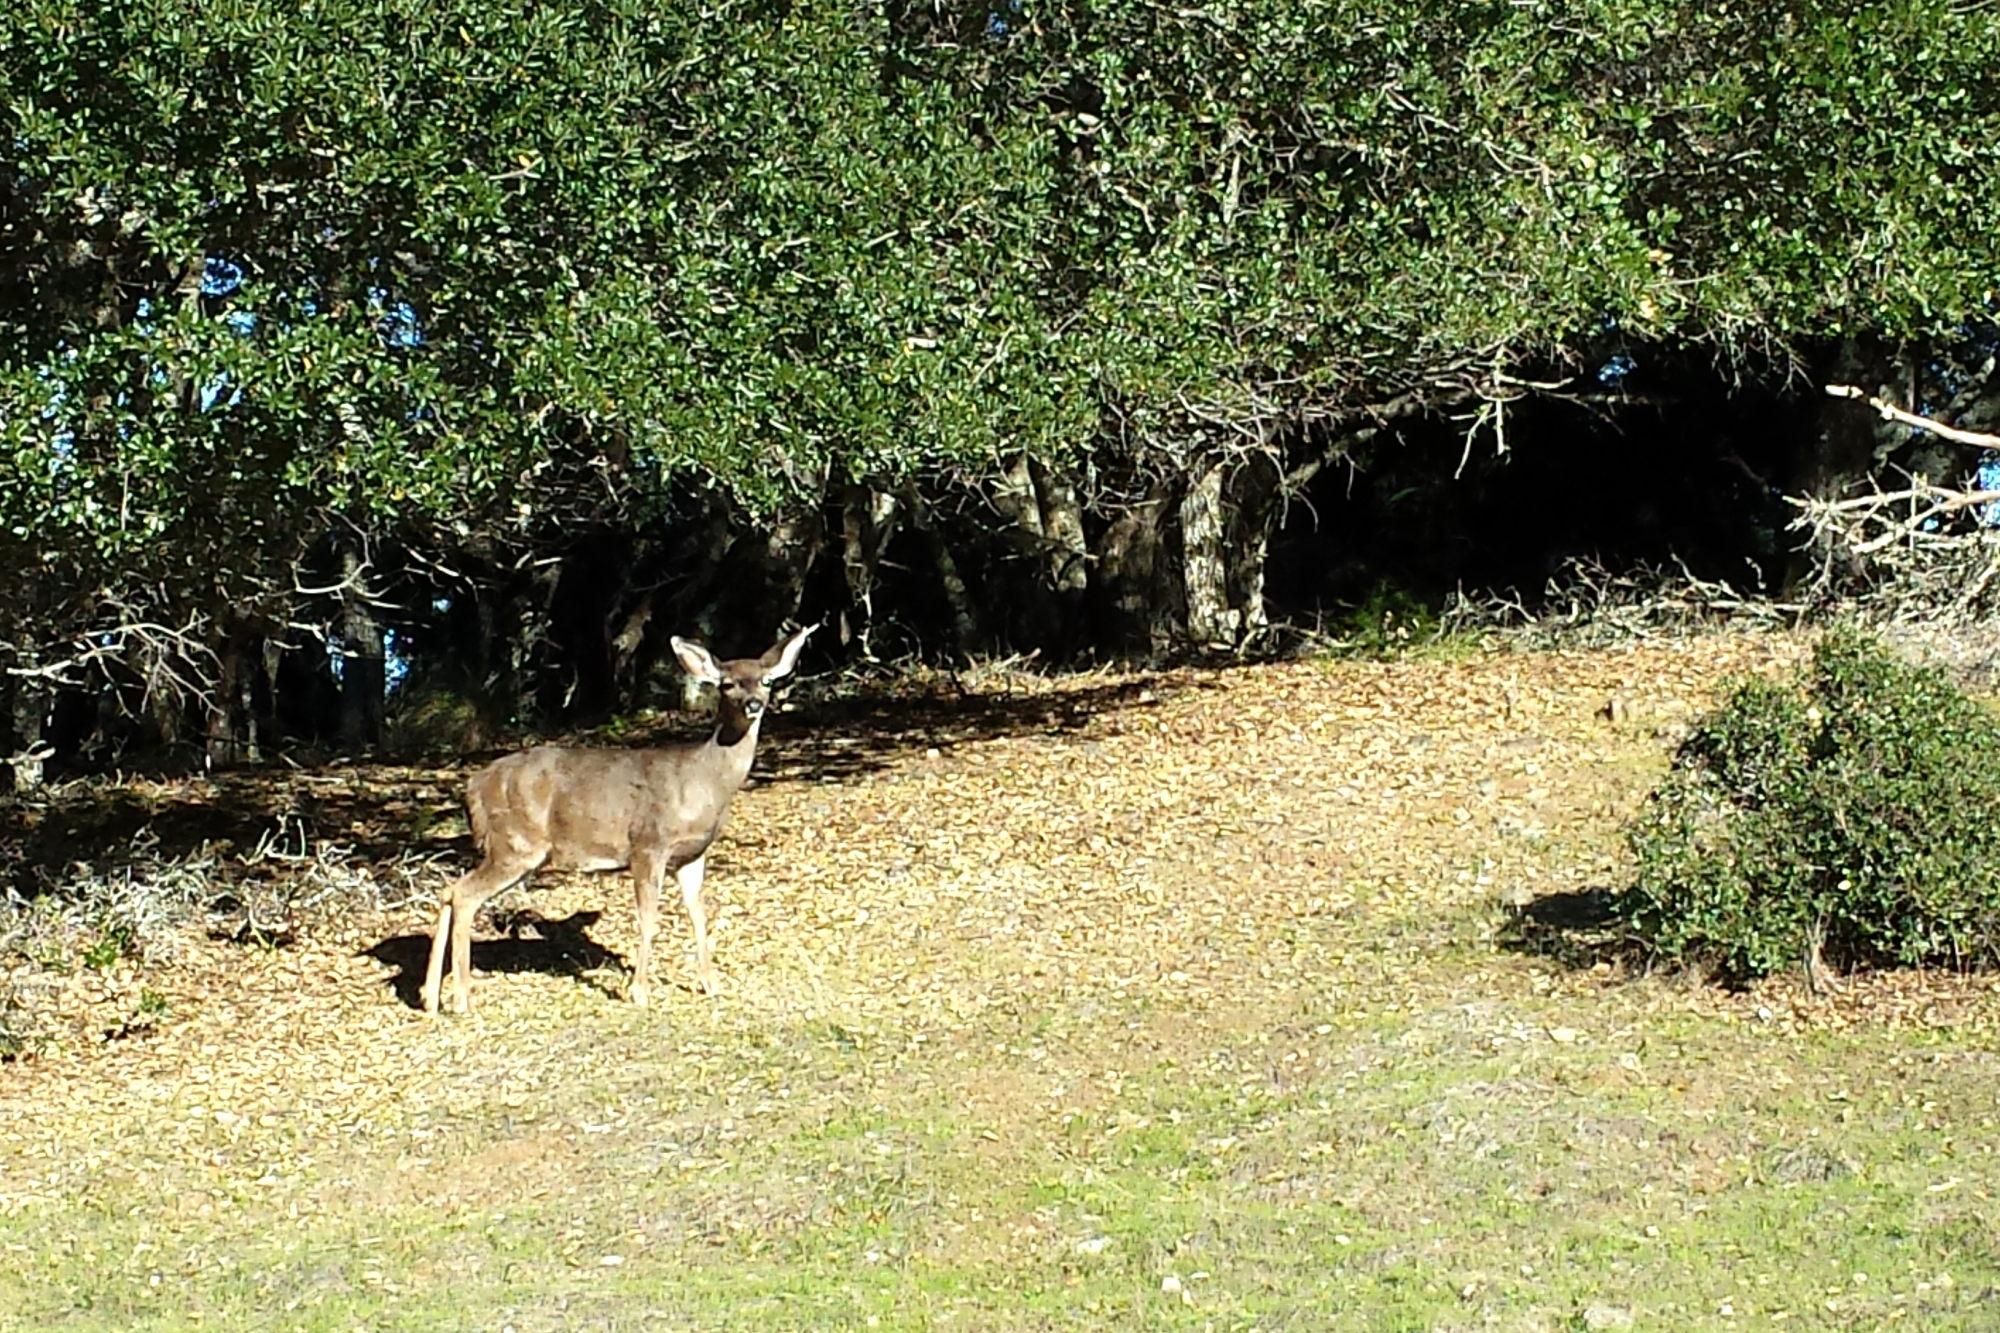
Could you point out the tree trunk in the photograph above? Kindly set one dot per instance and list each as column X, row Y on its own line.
column 1051, row 579
column 1831, row 461
column 794, row 545
column 264, row 692
column 763, row 582
column 868, row 520
column 229, row 732
column 625, row 648
column 531, row 644
column 1136, row 597
column 581, row 607
column 1252, row 500
column 702, row 545
column 1837, row 455
column 967, row 635
column 1014, row 496
column 1211, row 621
column 362, row 671
column 164, row 704
column 493, row 661
column 1068, row 555
column 29, row 702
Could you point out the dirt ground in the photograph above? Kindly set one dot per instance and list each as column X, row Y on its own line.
column 1004, row 975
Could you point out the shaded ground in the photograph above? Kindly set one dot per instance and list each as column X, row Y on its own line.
column 383, row 810
column 1188, row 1001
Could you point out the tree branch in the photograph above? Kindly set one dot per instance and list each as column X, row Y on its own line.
column 1890, row 412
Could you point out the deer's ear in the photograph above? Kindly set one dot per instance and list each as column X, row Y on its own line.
column 696, row 661
column 778, row 663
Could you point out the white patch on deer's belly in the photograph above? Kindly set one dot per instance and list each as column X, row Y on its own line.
column 589, row 861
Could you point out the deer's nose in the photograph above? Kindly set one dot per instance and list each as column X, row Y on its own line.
column 752, row 707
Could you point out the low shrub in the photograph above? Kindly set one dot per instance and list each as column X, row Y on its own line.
column 1849, row 817
column 437, row 720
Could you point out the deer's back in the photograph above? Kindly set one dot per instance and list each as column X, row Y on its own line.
column 586, row 809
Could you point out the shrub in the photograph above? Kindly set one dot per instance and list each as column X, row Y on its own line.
column 1390, row 622
column 1851, row 816
column 20, row 1023
column 437, row 720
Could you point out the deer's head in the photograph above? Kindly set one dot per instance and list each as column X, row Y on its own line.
column 743, row 683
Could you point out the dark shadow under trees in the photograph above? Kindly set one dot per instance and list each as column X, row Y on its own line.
column 380, row 811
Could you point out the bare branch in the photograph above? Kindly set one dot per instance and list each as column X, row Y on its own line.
column 164, row 645
column 1890, row 412
column 1589, row 602
column 1851, row 519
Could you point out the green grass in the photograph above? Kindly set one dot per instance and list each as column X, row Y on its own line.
column 1312, row 1091
column 1390, row 1173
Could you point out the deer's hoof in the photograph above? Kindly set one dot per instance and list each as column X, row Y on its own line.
column 642, row 994
column 710, row 982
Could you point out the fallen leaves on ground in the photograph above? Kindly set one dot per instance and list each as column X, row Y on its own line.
column 1089, row 876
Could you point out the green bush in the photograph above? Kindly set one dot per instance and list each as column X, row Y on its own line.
column 433, row 720
column 1851, row 816
column 1391, row 621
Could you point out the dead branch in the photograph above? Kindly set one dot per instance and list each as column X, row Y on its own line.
column 1921, row 552
column 1890, row 412
column 161, row 644
column 1925, row 503
column 1586, row 601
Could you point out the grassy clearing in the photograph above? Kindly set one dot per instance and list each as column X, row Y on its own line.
column 1195, row 1014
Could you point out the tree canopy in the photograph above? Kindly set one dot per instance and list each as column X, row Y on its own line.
column 267, row 267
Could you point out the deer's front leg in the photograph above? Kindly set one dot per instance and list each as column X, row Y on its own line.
column 647, row 873
column 689, row 877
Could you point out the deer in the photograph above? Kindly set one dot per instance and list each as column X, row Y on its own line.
column 652, row 811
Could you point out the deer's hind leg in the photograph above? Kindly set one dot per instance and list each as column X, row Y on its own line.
column 434, row 972
column 455, row 916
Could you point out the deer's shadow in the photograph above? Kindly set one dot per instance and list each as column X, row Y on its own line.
column 531, row 942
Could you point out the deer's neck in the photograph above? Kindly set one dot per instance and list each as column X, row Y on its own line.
column 734, row 745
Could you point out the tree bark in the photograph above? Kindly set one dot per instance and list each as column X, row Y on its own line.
column 1252, row 498
column 531, row 643
column 229, row 732
column 29, row 702
column 496, row 662
column 1067, row 555
column 164, row 704
column 362, row 671
column 1830, row 461
column 1211, row 621
column 1837, row 455
column 1014, row 496
column 868, row 520
column 626, row 670
column 966, row 631
column 581, row 608
column 1050, row 579
column 263, row 689
column 763, row 584
column 1136, row 594
column 1062, row 528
